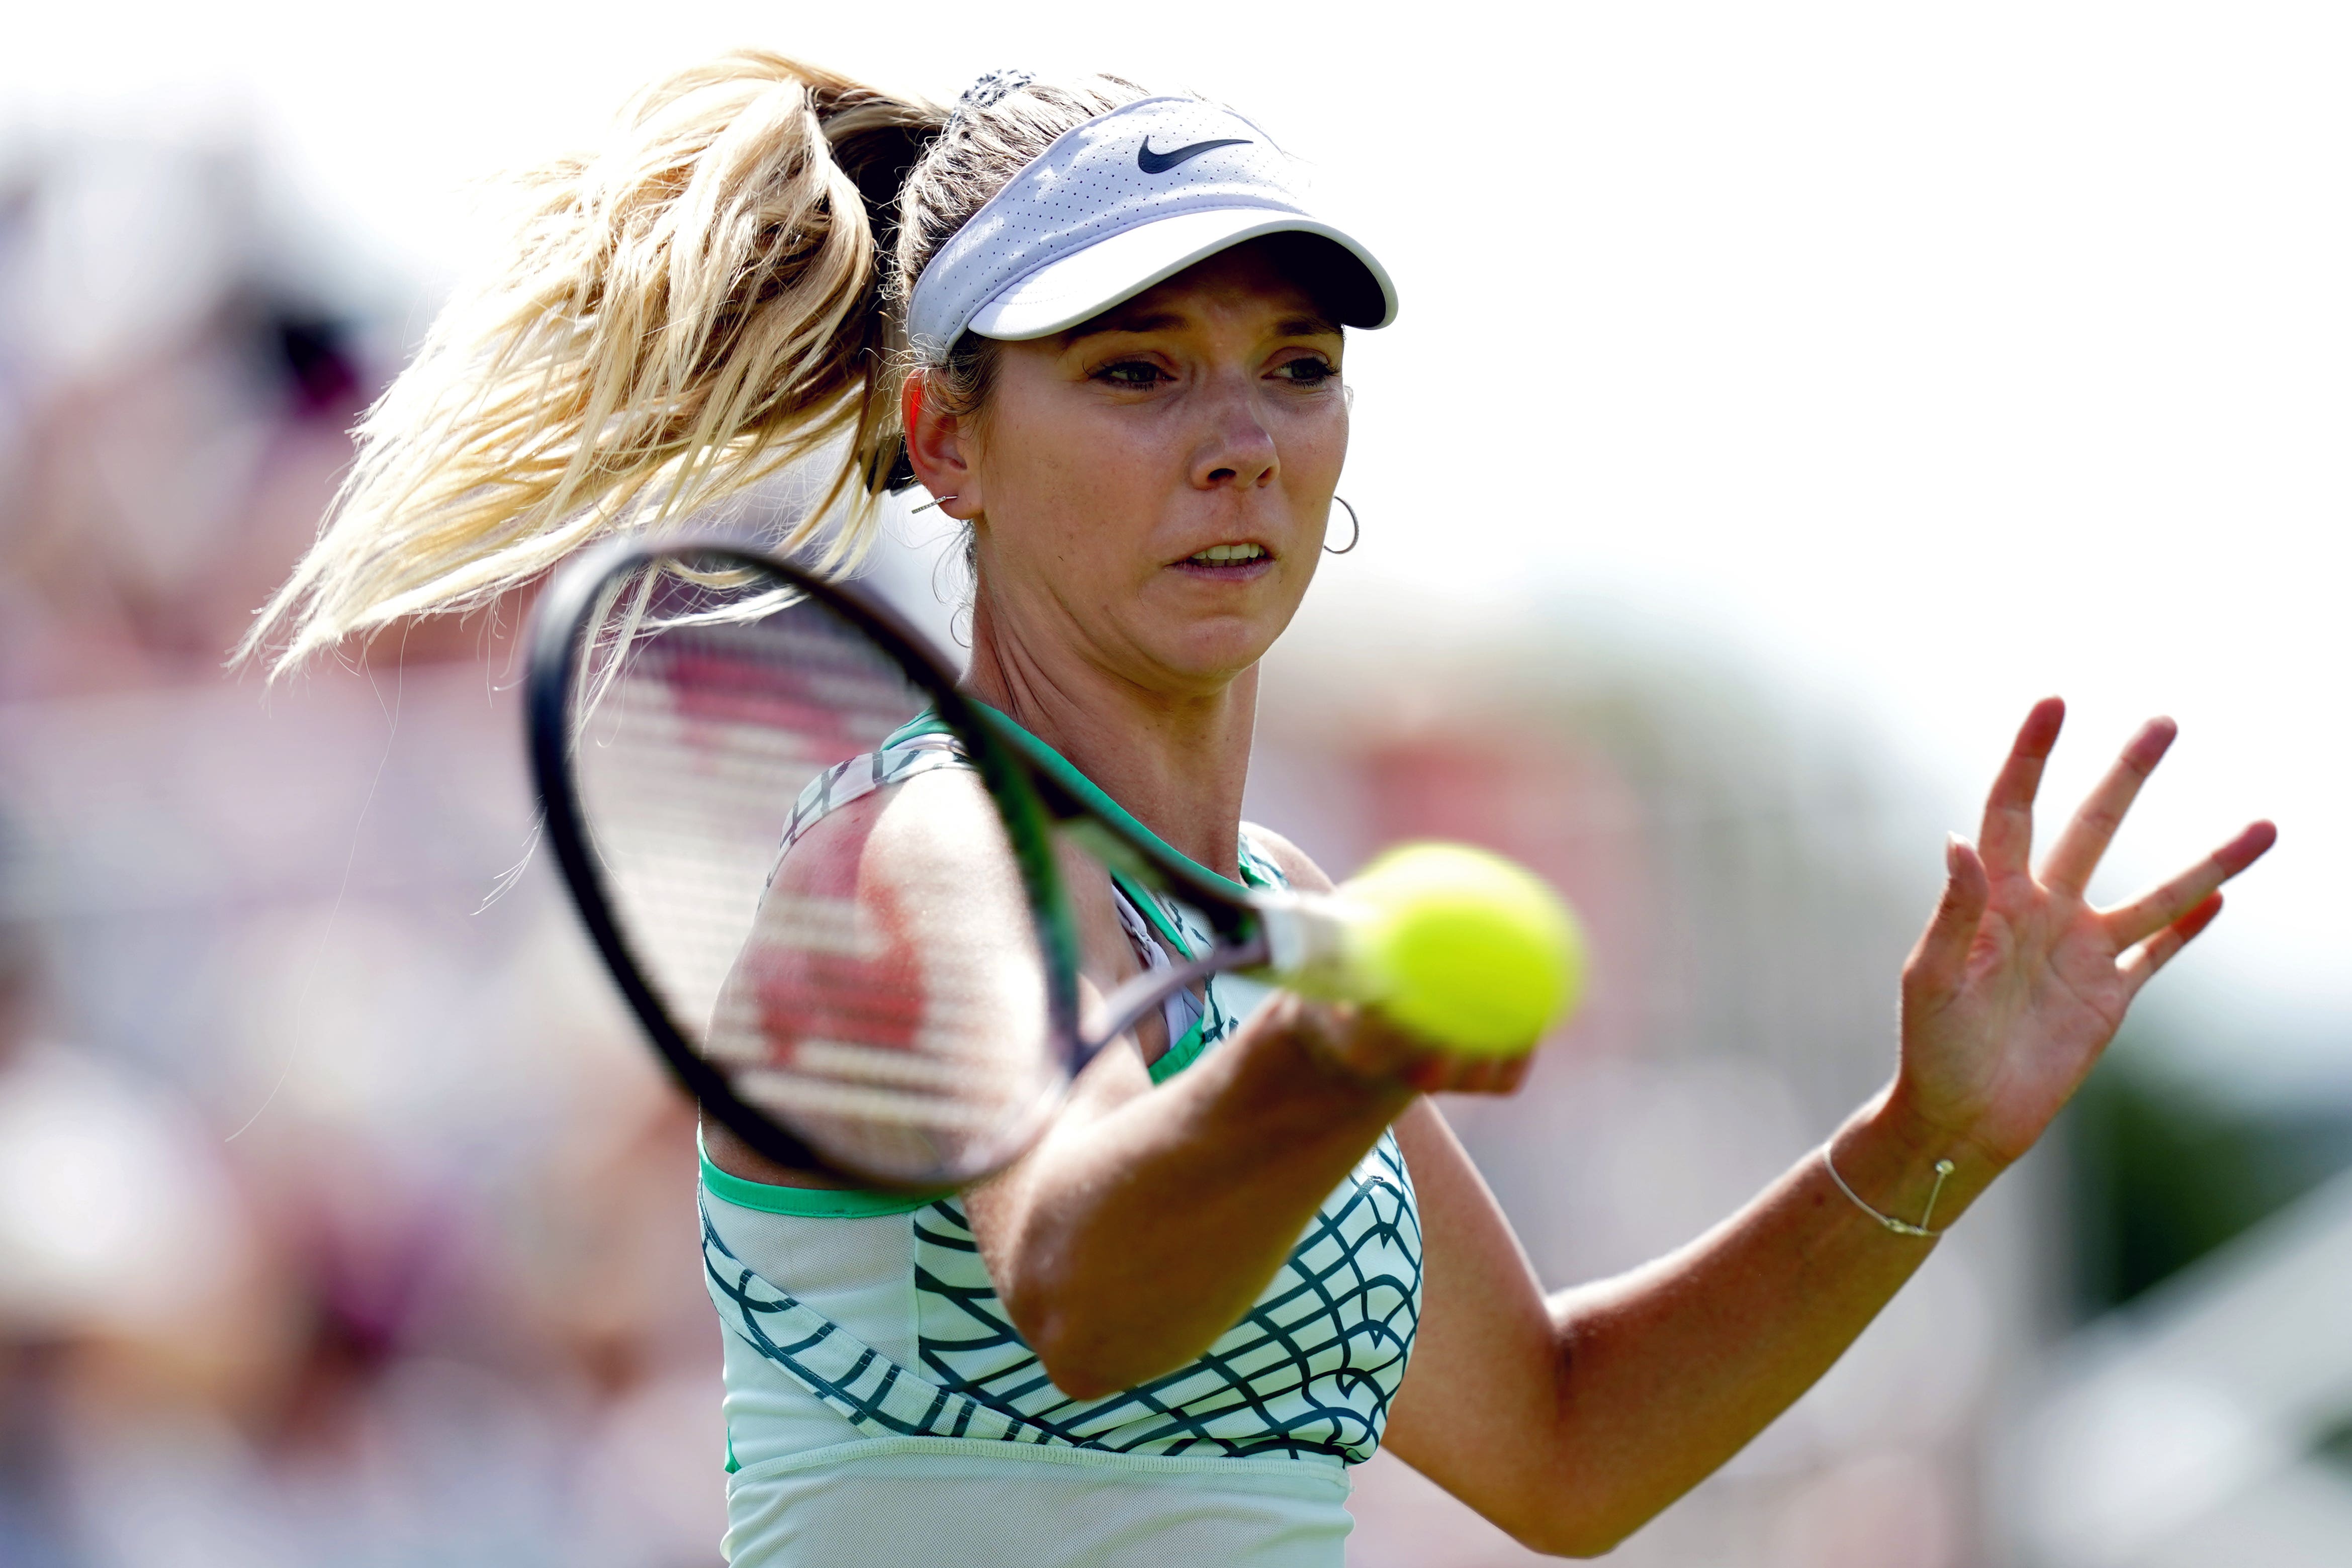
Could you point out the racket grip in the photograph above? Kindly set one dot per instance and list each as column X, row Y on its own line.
column 1312, row 947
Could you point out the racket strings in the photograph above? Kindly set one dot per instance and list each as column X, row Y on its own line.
column 707, row 716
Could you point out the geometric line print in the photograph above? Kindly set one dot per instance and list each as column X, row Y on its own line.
column 1309, row 1369
column 877, row 1396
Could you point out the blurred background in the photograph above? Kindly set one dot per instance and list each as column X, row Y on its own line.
column 1785, row 398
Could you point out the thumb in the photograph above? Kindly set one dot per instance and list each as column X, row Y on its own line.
column 1942, row 954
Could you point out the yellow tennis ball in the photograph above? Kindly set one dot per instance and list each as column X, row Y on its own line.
column 1464, row 947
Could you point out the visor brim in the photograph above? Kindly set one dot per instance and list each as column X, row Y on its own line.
column 1085, row 283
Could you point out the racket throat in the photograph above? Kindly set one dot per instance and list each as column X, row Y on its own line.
column 1152, row 988
column 1302, row 944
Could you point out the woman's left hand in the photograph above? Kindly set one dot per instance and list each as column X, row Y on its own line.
column 2019, row 984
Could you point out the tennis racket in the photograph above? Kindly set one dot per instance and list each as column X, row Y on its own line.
column 700, row 711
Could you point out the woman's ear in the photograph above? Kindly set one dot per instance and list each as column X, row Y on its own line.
column 937, row 444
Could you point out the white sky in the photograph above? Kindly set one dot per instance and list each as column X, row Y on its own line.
column 1937, row 357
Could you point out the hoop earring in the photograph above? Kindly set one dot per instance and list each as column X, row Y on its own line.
column 1355, row 533
column 934, row 501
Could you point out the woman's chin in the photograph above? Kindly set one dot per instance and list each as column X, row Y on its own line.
column 1212, row 657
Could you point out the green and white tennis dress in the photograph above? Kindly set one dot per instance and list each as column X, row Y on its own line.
column 882, row 1410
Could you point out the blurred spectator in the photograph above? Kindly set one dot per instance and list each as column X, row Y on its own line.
column 175, row 398
column 129, row 1285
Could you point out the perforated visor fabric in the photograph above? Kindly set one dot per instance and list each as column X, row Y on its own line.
column 1116, row 205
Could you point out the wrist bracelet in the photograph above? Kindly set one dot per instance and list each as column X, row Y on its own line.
column 1900, row 1227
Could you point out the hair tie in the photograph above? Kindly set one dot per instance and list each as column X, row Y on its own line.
column 992, row 86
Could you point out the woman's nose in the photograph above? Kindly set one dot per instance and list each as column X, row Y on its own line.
column 1238, row 448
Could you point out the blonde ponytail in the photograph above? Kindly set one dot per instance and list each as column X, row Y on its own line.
column 698, row 305
column 677, row 317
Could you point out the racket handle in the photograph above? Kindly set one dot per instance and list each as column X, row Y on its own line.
column 1312, row 946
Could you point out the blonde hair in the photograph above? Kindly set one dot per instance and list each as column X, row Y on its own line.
column 701, row 305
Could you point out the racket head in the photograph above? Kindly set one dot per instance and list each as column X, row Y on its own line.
column 690, row 703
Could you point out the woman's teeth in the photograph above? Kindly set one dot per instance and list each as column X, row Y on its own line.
column 1223, row 555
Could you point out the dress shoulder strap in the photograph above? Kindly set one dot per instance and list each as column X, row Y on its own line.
column 904, row 754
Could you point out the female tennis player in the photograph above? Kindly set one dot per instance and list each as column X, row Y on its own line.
column 1105, row 331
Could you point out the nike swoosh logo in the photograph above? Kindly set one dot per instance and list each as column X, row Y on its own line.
column 1152, row 162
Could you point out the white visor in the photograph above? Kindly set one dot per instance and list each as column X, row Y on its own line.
column 1116, row 205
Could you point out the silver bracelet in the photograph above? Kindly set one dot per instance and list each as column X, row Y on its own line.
column 1900, row 1227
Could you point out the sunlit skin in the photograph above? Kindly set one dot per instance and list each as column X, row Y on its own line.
column 1147, row 1219
column 1187, row 419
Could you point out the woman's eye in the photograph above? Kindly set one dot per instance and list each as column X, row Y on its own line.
column 1131, row 373
column 1307, row 371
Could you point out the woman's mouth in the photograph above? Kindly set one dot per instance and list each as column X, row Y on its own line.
column 1228, row 563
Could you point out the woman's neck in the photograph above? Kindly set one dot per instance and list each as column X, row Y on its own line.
column 1178, row 763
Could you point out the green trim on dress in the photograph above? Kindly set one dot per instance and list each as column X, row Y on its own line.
column 1181, row 1055
column 808, row 1202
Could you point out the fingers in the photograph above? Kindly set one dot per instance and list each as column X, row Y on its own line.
column 1444, row 1072
column 2145, row 960
column 1491, row 1075
column 1941, row 958
column 1361, row 1042
column 2078, row 850
column 2007, row 839
column 2152, row 912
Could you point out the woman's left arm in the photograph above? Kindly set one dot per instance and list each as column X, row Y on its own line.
column 1572, row 1420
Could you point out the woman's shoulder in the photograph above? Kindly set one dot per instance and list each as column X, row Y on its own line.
column 1297, row 869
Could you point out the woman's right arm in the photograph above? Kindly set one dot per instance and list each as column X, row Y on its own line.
column 1148, row 1220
